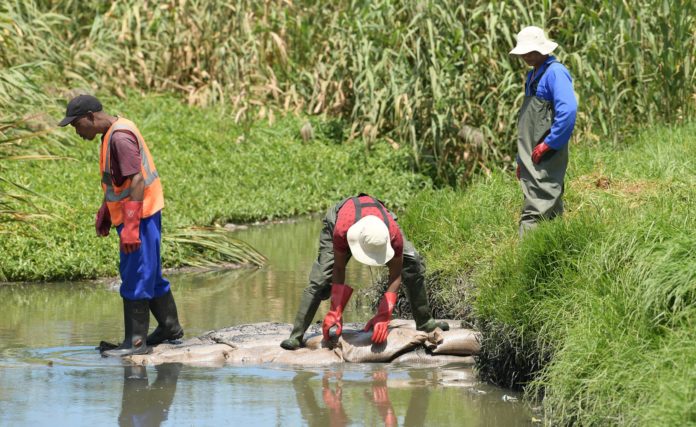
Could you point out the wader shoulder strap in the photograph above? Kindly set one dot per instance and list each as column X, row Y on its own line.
column 375, row 203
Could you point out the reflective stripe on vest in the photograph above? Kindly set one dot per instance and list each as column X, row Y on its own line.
column 153, row 197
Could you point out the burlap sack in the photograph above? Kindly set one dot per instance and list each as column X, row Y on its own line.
column 251, row 335
column 204, row 354
column 273, row 354
column 420, row 356
column 458, row 342
column 308, row 357
column 357, row 346
column 410, row 323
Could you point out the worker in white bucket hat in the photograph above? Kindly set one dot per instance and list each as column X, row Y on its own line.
column 546, row 122
column 368, row 240
column 532, row 39
column 362, row 228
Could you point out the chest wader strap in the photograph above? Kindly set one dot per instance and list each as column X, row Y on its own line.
column 375, row 203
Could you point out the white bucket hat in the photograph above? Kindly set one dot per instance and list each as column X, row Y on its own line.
column 532, row 39
column 369, row 241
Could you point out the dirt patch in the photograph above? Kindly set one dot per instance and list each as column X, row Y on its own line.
column 617, row 187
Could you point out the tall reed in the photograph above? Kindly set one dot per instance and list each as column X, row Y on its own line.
column 434, row 76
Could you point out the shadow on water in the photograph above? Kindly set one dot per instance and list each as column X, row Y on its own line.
column 48, row 364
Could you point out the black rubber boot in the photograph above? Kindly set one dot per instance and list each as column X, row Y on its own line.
column 136, row 321
column 308, row 308
column 413, row 280
column 168, row 327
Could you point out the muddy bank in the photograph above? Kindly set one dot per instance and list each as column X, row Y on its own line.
column 258, row 344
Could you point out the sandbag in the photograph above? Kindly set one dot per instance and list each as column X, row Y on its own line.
column 308, row 357
column 420, row 356
column 251, row 335
column 458, row 342
column 410, row 323
column 357, row 346
column 204, row 354
column 259, row 344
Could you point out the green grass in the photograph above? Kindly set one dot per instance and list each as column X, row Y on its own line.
column 213, row 172
column 596, row 311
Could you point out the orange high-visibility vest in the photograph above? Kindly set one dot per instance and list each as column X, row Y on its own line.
column 153, row 200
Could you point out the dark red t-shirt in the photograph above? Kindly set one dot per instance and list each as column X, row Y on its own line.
column 125, row 156
column 346, row 217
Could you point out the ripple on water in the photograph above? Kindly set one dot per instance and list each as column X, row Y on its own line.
column 73, row 356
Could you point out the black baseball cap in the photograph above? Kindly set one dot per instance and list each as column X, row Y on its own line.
column 79, row 106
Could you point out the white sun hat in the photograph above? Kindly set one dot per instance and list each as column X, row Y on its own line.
column 369, row 241
column 532, row 39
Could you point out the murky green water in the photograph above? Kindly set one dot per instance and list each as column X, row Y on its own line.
column 50, row 373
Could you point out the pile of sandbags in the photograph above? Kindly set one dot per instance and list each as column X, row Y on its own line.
column 258, row 344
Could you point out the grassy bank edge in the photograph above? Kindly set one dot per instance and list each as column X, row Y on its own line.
column 595, row 311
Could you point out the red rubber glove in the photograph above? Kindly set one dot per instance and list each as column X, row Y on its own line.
column 340, row 294
column 103, row 221
column 539, row 152
column 130, row 234
column 381, row 320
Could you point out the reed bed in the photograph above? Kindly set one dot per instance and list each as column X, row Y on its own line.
column 432, row 76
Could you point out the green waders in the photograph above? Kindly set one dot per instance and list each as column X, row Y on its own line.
column 542, row 183
column 319, row 288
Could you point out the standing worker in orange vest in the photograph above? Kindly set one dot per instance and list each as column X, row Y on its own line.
column 133, row 201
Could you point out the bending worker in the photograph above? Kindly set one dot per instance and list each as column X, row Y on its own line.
column 133, row 201
column 363, row 228
column 546, row 122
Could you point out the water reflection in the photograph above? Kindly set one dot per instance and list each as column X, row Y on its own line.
column 379, row 397
column 145, row 404
column 376, row 394
column 332, row 413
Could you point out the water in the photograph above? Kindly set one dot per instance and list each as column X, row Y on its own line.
column 50, row 373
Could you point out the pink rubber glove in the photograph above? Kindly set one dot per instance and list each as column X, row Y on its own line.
column 380, row 322
column 340, row 294
column 539, row 151
column 130, row 234
column 103, row 221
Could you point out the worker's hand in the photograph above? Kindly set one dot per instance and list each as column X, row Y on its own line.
column 332, row 319
column 130, row 234
column 539, row 152
column 102, row 222
column 340, row 294
column 380, row 323
column 517, row 172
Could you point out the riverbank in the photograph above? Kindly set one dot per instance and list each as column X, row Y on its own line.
column 594, row 312
column 213, row 172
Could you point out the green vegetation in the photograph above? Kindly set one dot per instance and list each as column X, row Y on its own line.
column 595, row 311
column 417, row 72
column 213, row 172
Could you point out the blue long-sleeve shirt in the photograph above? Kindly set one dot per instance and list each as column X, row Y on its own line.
column 556, row 85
